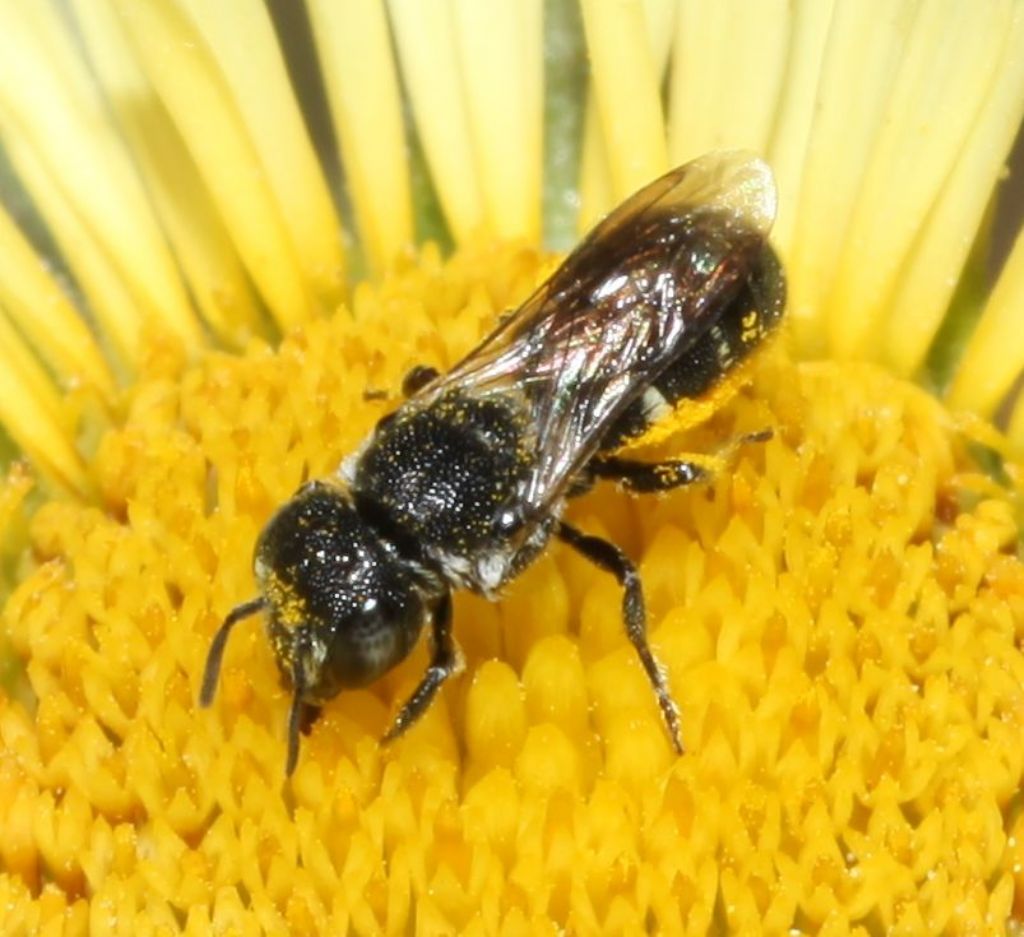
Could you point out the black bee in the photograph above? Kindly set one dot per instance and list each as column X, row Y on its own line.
column 463, row 485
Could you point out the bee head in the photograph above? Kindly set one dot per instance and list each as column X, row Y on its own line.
column 343, row 607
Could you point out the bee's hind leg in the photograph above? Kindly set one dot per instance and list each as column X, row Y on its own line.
column 609, row 557
column 647, row 477
column 445, row 661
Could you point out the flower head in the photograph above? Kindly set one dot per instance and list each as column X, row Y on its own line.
column 839, row 609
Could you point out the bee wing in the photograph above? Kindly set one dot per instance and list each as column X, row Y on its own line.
column 637, row 292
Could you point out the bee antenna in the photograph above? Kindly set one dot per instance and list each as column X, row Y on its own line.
column 213, row 658
column 295, row 715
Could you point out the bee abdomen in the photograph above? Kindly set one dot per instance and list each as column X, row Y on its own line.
column 738, row 331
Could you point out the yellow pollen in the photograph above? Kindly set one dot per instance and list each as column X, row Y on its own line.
column 290, row 607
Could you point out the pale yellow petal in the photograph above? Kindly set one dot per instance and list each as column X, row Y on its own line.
column 120, row 316
column 362, row 87
column 48, row 101
column 948, row 66
column 428, row 55
column 595, row 188
column 994, row 356
column 595, row 185
column 500, row 48
column 30, row 411
column 241, row 39
column 626, row 89
column 193, row 225
column 809, row 29
column 660, row 17
column 864, row 50
column 930, row 274
column 728, row 63
column 43, row 313
column 184, row 73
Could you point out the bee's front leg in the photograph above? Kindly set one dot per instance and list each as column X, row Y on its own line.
column 445, row 661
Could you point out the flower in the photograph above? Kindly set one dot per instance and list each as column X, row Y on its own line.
column 839, row 609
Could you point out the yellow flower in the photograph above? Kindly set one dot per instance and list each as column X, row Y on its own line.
column 839, row 610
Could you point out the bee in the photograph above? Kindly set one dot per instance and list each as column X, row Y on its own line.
column 465, row 483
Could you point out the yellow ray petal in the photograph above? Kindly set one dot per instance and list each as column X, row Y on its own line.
column 922, row 297
column 14, row 486
column 49, row 101
column 626, row 89
column 184, row 73
column 994, row 356
column 193, row 225
column 428, row 55
column 595, row 188
column 30, row 411
column 44, row 315
column 120, row 315
column 362, row 88
column 727, row 67
column 660, row 16
column 948, row 66
column 500, row 49
column 808, row 32
column 242, row 40
column 864, row 49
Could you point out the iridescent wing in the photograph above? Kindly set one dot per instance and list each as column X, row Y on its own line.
column 648, row 281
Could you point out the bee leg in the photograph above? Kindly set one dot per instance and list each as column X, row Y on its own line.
column 609, row 557
column 301, row 716
column 297, row 715
column 418, row 376
column 646, row 477
column 444, row 662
